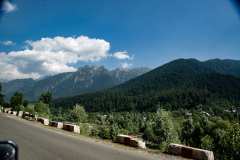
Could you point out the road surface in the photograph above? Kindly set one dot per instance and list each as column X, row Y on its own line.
column 36, row 142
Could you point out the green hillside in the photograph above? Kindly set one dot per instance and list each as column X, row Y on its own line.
column 226, row 66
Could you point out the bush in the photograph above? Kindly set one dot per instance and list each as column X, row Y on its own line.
column 30, row 109
column 42, row 109
column 230, row 143
column 176, row 114
column 95, row 131
column 78, row 114
column 104, row 132
column 207, row 143
column 164, row 130
column 114, row 131
column 222, row 124
column 123, row 131
column 84, row 129
column 148, row 134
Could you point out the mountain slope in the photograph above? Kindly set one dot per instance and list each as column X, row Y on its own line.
column 180, row 83
column 226, row 66
column 14, row 85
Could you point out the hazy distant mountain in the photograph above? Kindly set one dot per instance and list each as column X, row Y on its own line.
column 182, row 83
column 3, row 80
column 85, row 79
column 123, row 74
column 43, row 77
column 15, row 85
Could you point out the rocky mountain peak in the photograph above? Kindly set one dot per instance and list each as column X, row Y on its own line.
column 86, row 67
column 94, row 67
column 102, row 66
column 43, row 77
column 121, row 69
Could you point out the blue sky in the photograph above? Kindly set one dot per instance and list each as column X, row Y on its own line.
column 50, row 37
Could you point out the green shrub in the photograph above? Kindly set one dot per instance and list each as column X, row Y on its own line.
column 84, row 129
column 207, row 143
column 114, row 130
column 78, row 114
column 123, row 131
column 95, row 131
column 104, row 132
column 42, row 110
column 230, row 143
column 164, row 130
column 30, row 109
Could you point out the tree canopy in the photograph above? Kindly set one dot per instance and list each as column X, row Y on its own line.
column 16, row 101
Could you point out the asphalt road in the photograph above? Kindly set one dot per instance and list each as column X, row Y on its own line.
column 36, row 142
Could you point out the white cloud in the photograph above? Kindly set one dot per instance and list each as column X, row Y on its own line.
column 126, row 65
column 51, row 56
column 8, row 43
column 8, row 7
column 122, row 55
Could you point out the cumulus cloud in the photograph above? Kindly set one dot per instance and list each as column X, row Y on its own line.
column 122, row 55
column 8, row 7
column 8, row 43
column 51, row 56
column 126, row 65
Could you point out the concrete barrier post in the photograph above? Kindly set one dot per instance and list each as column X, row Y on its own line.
column 76, row 129
column 36, row 117
column 120, row 139
column 58, row 125
column 190, row 152
column 174, row 149
column 20, row 113
column 46, row 122
column 52, row 123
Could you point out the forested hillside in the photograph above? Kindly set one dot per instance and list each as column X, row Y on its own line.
column 178, row 84
column 225, row 66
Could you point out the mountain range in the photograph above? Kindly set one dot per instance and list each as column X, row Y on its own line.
column 85, row 79
column 182, row 83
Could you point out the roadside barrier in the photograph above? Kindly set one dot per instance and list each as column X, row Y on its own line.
column 52, row 123
column 190, row 152
column 73, row 128
column 26, row 114
column 20, row 113
column 43, row 121
column 14, row 113
column 131, row 141
column 58, row 125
